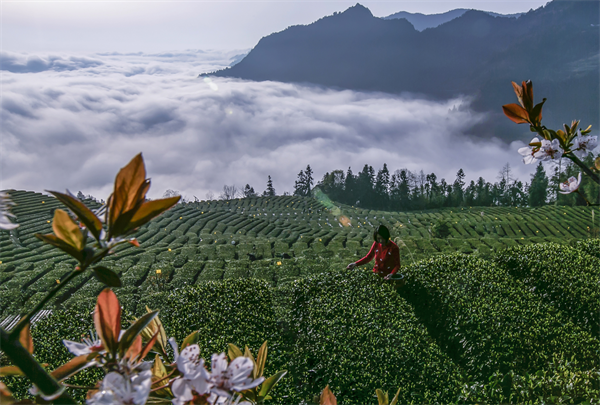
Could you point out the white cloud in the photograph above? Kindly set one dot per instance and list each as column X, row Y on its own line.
column 74, row 128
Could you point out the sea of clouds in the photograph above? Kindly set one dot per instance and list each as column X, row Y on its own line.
column 71, row 121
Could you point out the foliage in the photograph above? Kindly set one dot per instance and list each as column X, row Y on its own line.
column 487, row 321
column 564, row 277
column 348, row 329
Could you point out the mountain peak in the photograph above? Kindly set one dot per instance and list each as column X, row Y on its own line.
column 357, row 10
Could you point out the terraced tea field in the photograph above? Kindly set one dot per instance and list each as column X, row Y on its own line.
column 277, row 239
column 498, row 321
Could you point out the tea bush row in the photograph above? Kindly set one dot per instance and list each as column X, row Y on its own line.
column 488, row 321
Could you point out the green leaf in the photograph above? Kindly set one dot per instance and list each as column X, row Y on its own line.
column 85, row 215
column 134, row 330
column 382, row 397
column 270, row 382
column 233, row 351
column 395, row 399
column 107, row 276
column 192, row 339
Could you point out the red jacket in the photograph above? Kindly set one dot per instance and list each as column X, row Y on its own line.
column 387, row 258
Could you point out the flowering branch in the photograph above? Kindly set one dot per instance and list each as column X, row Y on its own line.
column 571, row 142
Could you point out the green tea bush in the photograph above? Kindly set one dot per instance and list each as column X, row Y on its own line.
column 566, row 277
column 349, row 330
column 560, row 382
column 487, row 321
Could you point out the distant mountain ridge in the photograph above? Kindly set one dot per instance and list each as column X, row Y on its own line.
column 423, row 21
column 476, row 54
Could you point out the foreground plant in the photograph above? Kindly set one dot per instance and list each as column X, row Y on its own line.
column 88, row 241
column 572, row 143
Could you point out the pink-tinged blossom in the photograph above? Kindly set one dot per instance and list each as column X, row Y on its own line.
column 528, row 151
column 194, row 376
column 233, row 377
column 549, row 150
column 89, row 345
column 571, row 185
column 118, row 389
column 582, row 144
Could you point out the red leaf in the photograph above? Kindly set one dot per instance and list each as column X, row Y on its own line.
column 107, row 319
column 149, row 210
column 327, row 397
column 516, row 113
column 528, row 95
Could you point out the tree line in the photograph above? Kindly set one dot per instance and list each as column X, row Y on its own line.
column 406, row 190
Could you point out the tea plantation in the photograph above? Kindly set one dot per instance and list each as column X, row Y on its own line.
column 504, row 309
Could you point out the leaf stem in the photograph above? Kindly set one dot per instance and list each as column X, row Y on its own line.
column 21, row 358
column 583, row 167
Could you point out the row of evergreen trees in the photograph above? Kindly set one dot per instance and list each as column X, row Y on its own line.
column 406, row 190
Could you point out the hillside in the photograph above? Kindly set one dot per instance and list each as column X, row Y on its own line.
column 249, row 270
column 476, row 55
column 278, row 239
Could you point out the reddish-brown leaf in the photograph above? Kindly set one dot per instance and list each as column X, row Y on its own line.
column 135, row 349
column 516, row 113
column 107, row 319
column 149, row 210
column 73, row 366
column 327, row 397
column 127, row 184
column 85, row 215
column 519, row 92
column 25, row 339
column 527, row 95
column 149, row 345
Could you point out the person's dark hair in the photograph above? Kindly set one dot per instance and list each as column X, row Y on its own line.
column 382, row 231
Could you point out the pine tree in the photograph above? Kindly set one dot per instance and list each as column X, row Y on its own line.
column 300, row 184
column 309, row 181
column 349, row 191
column 270, row 191
column 382, row 184
column 538, row 190
column 458, row 189
column 249, row 191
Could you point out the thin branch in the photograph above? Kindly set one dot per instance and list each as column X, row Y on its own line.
column 21, row 358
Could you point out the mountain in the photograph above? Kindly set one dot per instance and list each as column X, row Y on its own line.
column 423, row 21
column 478, row 55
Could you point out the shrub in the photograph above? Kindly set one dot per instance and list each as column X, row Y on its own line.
column 349, row 330
column 566, row 277
column 488, row 321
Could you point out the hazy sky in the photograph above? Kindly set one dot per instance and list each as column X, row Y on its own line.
column 85, row 86
column 152, row 26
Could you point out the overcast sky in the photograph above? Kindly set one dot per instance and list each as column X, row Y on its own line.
column 154, row 26
column 87, row 85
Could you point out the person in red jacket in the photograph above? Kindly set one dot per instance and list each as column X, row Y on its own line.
column 384, row 251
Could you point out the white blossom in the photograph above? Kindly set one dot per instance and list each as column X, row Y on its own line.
column 119, row 389
column 195, row 377
column 527, row 152
column 571, row 185
column 582, row 144
column 549, row 150
column 5, row 204
column 233, row 377
column 89, row 345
